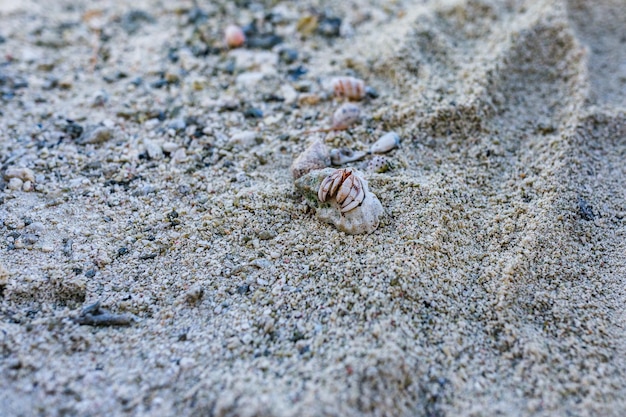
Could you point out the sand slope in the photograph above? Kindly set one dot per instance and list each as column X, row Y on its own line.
column 495, row 284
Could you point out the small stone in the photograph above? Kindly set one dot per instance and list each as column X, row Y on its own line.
column 15, row 184
column 246, row 139
column 30, row 238
column 24, row 174
column 169, row 147
column 96, row 134
column 153, row 149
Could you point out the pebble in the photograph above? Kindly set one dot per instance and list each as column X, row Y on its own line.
column 15, row 184
column 24, row 174
column 169, row 147
column 246, row 138
column 96, row 134
column 153, row 149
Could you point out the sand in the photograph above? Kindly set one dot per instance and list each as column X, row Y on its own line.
column 493, row 286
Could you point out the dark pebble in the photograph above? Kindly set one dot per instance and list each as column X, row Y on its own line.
column 329, row 26
column 132, row 21
column 122, row 251
column 159, row 83
column 172, row 55
column 288, row 55
column 77, row 271
column 242, row 289
column 148, row 256
column 137, row 81
column 90, row 273
column 2, row 39
column 305, row 349
column 253, row 113
column 264, row 41
column 272, row 97
column 14, row 235
column 586, row 211
column 196, row 15
column 296, row 72
column 72, row 129
column 371, row 92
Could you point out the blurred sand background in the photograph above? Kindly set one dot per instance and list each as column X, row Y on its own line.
column 145, row 166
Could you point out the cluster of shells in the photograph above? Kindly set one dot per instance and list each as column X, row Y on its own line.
column 341, row 196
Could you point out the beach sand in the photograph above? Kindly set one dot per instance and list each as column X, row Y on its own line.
column 145, row 166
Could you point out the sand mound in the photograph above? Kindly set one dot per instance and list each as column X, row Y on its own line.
column 493, row 285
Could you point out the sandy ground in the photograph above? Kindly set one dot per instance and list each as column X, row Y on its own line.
column 145, row 166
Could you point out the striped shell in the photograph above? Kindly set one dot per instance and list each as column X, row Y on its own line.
column 345, row 116
column 345, row 186
column 234, row 36
column 349, row 87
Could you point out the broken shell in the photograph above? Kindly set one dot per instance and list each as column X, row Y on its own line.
column 345, row 155
column 345, row 186
column 345, row 116
column 378, row 163
column 234, row 36
column 316, row 156
column 349, row 87
column 387, row 142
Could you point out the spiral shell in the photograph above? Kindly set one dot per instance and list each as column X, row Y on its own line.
column 345, row 186
column 349, row 87
column 234, row 36
column 345, row 116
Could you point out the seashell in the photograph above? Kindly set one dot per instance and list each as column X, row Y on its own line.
column 345, row 116
column 314, row 157
column 387, row 142
column 234, row 36
column 345, row 155
column 378, row 163
column 349, row 87
column 345, row 186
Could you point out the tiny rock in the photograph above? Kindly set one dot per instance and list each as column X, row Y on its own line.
column 24, row 174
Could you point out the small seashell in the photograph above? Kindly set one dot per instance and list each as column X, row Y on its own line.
column 387, row 142
column 234, row 36
column 349, row 87
column 345, row 155
column 345, row 116
column 345, row 186
column 314, row 157
column 378, row 164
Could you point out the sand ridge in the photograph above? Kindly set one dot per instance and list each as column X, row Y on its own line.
column 494, row 283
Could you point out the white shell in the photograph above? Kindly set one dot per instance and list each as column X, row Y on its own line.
column 349, row 87
column 345, row 155
column 345, row 186
column 345, row 116
column 387, row 142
